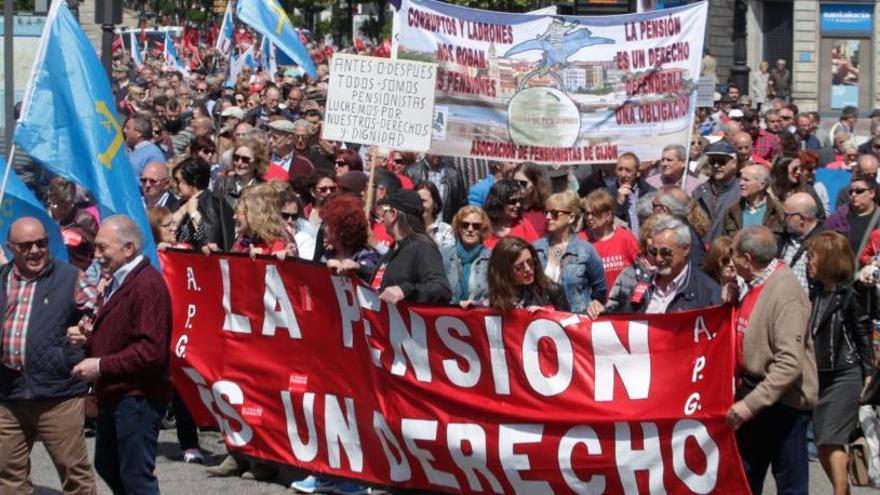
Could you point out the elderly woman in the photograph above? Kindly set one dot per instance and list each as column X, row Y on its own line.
column 517, row 281
column 250, row 161
column 841, row 327
column 439, row 230
column 504, row 207
column 204, row 218
column 467, row 262
column 617, row 247
column 568, row 260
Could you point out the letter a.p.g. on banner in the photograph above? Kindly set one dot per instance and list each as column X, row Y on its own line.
column 381, row 102
column 302, row 367
column 556, row 89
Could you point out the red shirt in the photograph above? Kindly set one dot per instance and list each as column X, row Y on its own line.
column 522, row 229
column 617, row 252
column 743, row 314
column 538, row 219
column 262, row 247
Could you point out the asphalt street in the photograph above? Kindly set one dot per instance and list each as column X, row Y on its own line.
column 177, row 478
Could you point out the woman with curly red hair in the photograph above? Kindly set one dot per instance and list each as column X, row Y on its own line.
column 346, row 232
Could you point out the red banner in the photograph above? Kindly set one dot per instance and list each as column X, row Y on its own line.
column 302, row 367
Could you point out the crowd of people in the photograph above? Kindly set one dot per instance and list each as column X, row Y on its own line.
column 738, row 217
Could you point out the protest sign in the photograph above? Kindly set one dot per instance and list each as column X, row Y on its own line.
column 379, row 101
column 706, row 92
column 557, row 89
column 306, row 368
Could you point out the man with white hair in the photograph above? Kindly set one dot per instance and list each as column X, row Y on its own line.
column 129, row 358
column 755, row 206
column 801, row 222
column 678, row 284
column 673, row 170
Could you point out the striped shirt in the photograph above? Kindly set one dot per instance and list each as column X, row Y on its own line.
column 19, row 301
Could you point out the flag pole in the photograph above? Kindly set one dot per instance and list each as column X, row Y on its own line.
column 6, row 173
column 368, row 204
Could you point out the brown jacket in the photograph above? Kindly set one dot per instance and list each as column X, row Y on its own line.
column 778, row 347
column 774, row 218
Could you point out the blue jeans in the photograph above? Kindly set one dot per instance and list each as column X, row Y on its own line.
column 776, row 437
column 125, row 445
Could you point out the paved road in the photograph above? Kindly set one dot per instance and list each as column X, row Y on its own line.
column 177, row 478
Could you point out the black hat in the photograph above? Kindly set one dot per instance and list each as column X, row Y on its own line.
column 874, row 113
column 406, row 201
column 721, row 148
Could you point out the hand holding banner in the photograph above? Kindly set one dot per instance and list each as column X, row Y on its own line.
column 310, row 369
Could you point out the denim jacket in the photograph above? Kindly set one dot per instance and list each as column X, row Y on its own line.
column 479, row 291
column 581, row 273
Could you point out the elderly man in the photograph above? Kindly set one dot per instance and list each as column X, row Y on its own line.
column 742, row 143
column 678, row 284
column 138, row 132
column 835, row 151
column 777, row 384
column 755, row 206
column 283, row 142
column 722, row 189
column 39, row 398
column 156, row 187
column 672, row 200
column 766, row 143
column 673, row 170
column 849, row 117
column 857, row 218
column 129, row 359
column 291, row 110
column 801, row 223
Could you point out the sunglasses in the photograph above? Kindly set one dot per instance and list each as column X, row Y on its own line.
column 326, row 189
column 522, row 266
column 554, row 214
column 399, row 161
column 28, row 245
column 340, row 163
column 514, row 201
column 241, row 158
column 664, row 252
column 523, row 184
column 471, row 225
column 858, row 190
column 290, row 216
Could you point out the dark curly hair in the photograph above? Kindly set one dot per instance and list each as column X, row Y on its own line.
column 344, row 214
column 499, row 195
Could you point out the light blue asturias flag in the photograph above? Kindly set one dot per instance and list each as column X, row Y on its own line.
column 19, row 201
column 69, row 122
column 172, row 61
column 136, row 56
column 268, row 18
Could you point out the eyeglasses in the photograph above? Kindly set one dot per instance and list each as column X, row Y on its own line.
column 471, row 225
column 147, row 180
column 241, row 158
column 726, row 260
column 28, row 245
column 399, row 161
column 786, row 117
column 326, row 189
column 201, row 90
column 523, row 266
column 663, row 252
column 289, row 216
column 514, row 201
column 786, row 215
column 523, row 184
column 554, row 214
column 858, row 190
column 340, row 163
column 300, row 137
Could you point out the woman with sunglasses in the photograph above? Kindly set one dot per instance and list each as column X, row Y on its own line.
column 535, row 184
column 568, row 260
column 321, row 184
column 347, row 160
column 204, row 148
column 517, row 281
column 250, row 161
column 840, row 324
column 298, row 228
column 467, row 262
column 504, row 207
column 718, row 265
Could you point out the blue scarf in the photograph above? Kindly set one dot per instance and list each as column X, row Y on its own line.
column 467, row 258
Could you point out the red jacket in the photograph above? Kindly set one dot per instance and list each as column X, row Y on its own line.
column 132, row 336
